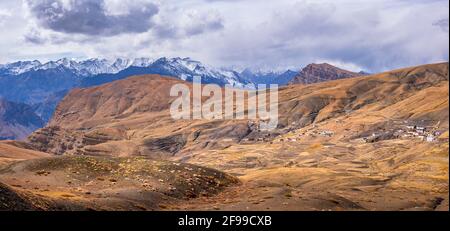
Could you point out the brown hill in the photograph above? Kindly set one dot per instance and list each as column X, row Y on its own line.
column 316, row 73
column 100, row 183
column 95, row 106
column 11, row 151
column 131, row 117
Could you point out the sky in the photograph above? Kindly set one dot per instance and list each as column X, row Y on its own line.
column 370, row 35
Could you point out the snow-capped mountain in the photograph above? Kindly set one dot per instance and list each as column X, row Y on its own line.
column 182, row 68
column 142, row 62
column 187, row 69
column 82, row 68
column 43, row 85
column 88, row 67
column 18, row 68
column 108, row 70
column 96, row 71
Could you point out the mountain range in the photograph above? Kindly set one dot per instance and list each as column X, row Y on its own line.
column 17, row 120
column 43, row 85
column 82, row 68
column 183, row 68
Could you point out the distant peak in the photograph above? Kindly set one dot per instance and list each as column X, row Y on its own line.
column 323, row 65
column 314, row 73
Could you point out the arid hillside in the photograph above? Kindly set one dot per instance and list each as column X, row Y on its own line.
column 377, row 142
column 99, row 183
column 131, row 116
column 11, row 151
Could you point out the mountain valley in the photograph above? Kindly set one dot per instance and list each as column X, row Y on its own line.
column 371, row 142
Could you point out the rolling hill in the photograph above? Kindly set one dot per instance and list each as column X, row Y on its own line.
column 131, row 112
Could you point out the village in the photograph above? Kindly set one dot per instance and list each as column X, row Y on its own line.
column 407, row 130
column 394, row 129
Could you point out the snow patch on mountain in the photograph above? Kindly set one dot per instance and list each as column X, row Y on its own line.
column 20, row 67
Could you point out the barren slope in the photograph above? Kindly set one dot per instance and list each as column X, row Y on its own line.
column 11, row 151
column 104, row 183
column 131, row 117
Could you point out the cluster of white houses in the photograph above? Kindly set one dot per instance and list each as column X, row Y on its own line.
column 428, row 134
column 398, row 129
column 407, row 131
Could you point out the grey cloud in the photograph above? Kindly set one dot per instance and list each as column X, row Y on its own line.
column 204, row 26
column 443, row 24
column 90, row 17
column 4, row 15
column 373, row 38
column 35, row 37
column 371, row 35
column 45, row 37
column 186, row 24
column 166, row 31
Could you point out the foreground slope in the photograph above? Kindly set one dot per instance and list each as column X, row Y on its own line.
column 101, row 183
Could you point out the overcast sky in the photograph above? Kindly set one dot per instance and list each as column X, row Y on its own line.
column 371, row 35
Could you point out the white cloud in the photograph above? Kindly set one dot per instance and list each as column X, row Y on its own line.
column 373, row 36
column 4, row 15
column 179, row 23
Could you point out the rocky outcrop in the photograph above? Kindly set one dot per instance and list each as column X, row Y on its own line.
column 56, row 140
